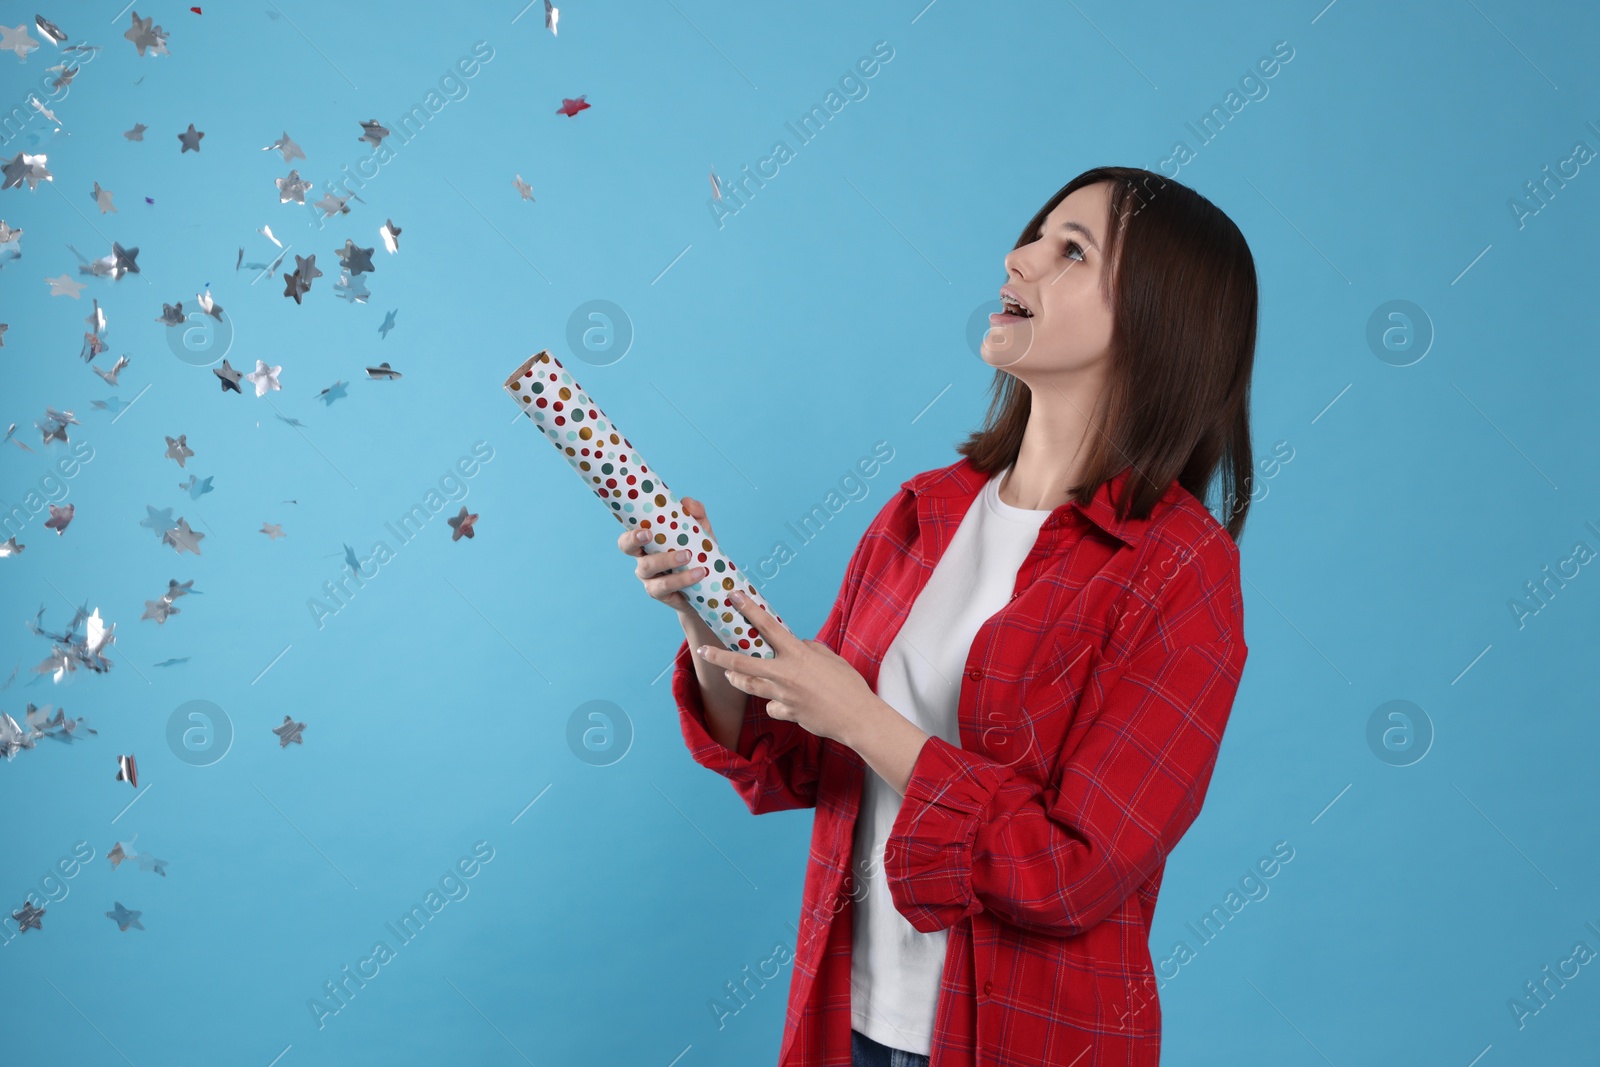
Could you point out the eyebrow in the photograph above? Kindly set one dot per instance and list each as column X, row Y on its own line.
column 1083, row 230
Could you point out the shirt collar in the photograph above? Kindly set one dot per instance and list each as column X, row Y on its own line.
column 962, row 480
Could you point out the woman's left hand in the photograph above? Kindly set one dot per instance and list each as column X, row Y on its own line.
column 804, row 682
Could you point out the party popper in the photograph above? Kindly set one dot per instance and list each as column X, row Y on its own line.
column 635, row 494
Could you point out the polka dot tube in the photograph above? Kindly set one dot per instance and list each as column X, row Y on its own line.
column 635, row 494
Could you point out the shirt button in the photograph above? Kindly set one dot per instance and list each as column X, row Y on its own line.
column 975, row 674
column 987, row 986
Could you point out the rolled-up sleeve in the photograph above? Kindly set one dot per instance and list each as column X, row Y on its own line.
column 972, row 834
column 775, row 764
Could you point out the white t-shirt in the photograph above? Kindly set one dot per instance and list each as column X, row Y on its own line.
column 895, row 968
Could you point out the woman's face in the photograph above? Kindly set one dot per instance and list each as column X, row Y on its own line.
column 1058, row 278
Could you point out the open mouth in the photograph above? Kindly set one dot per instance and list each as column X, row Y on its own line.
column 1011, row 307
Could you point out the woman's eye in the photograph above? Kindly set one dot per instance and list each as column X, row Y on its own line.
column 1074, row 246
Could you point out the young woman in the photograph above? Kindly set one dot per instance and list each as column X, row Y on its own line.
column 1011, row 714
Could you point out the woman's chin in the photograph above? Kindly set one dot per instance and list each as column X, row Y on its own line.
column 1004, row 347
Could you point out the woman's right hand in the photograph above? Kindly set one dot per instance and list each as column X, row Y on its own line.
column 654, row 569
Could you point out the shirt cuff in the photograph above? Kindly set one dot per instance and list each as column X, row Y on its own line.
column 927, row 860
column 775, row 764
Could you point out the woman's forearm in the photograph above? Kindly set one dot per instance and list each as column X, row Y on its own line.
column 724, row 704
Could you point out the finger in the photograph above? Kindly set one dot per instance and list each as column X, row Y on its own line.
column 698, row 511
column 768, row 627
column 655, row 563
column 631, row 543
column 753, row 684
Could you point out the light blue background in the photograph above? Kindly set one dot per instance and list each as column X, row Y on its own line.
column 830, row 313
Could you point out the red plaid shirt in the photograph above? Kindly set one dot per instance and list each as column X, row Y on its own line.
column 1090, row 716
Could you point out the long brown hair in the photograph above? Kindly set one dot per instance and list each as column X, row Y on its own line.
column 1177, row 397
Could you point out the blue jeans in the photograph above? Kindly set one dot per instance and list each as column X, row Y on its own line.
column 865, row 1052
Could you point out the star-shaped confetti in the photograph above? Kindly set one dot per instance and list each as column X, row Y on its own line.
column 229, row 376
column 391, row 236
column 59, row 518
column 197, row 486
column 190, row 140
column 299, row 283
column 333, row 392
column 286, row 145
column 353, row 290
column 353, row 259
column 289, row 731
column 462, row 525
column 158, row 522
column 172, row 314
column 372, row 131
column 388, row 324
column 119, row 262
column 25, row 168
column 332, row 205
column 49, row 29
column 137, row 133
column 110, row 376
column 102, row 199
column 124, row 917
column 178, row 448
column 143, row 35
column 182, row 538
column 273, row 530
column 264, row 377
column 523, row 187
column 551, row 15
column 28, row 917
column 65, row 286
column 570, row 108
column 16, row 39
column 382, row 372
